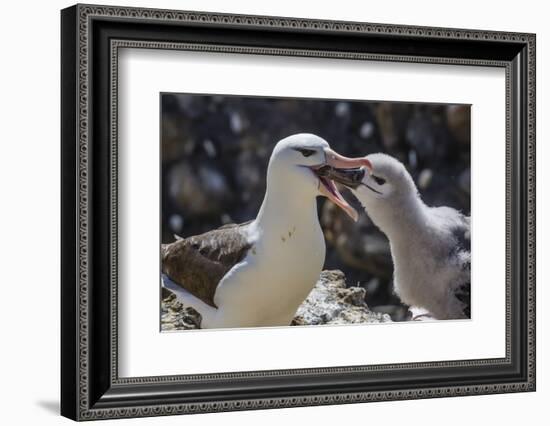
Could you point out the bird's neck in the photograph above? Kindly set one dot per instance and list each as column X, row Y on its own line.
column 282, row 211
column 400, row 225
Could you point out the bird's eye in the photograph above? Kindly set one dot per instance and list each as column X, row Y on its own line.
column 305, row 152
column 379, row 180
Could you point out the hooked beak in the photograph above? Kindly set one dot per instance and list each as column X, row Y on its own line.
column 351, row 178
column 338, row 161
column 338, row 167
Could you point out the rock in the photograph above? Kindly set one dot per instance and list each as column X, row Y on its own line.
column 166, row 293
column 331, row 302
column 174, row 316
column 413, row 159
column 342, row 109
column 176, row 223
column 425, row 178
column 209, row 148
column 358, row 244
column 366, row 130
column 420, row 135
column 458, row 120
column 249, row 176
column 464, row 181
column 392, row 118
column 174, row 145
column 198, row 189
column 237, row 123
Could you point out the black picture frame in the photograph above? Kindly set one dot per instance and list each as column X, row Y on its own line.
column 90, row 386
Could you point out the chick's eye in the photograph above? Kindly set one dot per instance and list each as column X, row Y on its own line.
column 379, row 180
column 306, row 152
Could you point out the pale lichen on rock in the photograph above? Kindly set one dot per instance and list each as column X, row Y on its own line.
column 332, row 302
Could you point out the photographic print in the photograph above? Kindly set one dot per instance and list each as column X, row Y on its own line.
column 303, row 212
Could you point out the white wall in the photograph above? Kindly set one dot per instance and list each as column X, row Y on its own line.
column 29, row 225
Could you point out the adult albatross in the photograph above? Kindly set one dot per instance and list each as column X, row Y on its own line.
column 258, row 273
column 430, row 246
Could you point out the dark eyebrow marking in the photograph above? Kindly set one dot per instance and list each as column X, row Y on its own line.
column 305, row 152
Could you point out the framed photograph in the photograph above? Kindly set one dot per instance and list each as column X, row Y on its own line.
column 263, row 212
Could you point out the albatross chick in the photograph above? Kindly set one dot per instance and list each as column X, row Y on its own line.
column 430, row 246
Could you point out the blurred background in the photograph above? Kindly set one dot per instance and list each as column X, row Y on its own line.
column 215, row 151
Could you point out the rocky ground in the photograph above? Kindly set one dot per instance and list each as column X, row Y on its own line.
column 331, row 301
column 175, row 316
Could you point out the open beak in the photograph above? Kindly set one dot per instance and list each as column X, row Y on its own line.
column 338, row 167
column 351, row 178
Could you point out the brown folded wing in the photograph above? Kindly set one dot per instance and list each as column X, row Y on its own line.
column 199, row 263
